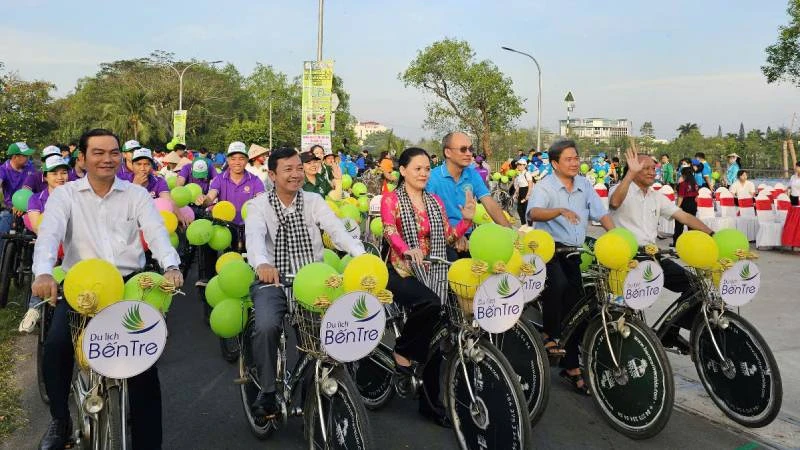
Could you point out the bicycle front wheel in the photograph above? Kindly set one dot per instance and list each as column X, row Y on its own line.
column 7, row 270
column 636, row 396
column 335, row 418
column 374, row 376
column 485, row 400
column 747, row 385
column 110, row 420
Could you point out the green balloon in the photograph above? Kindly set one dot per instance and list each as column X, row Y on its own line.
column 20, row 199
column 376, row 227
column 344, row 263
column 729, row 240
column 586, row 259
column 172, row 181
column 228, row 318
column 347, row 181
column 496, row 176
column 391, row 187
column 351, row 211
column 235, row 278
column 363, row 204
column 395, row 174
column 170, row 145
column 491, row 243
column 601, row 174
column 309, row 285
column 629, row 237
column 359, row 189
column 59, row 274
column 584, row 168
column 174, row 240
column 195, row 190
column 503, row 179
column 511, row 173
column 213, row 292
column 220, row 238
column 182, row 196
column 330, row 258
column 199, row 232
column 153, row 296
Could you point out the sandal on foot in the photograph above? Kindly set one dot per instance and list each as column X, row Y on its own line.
column 403, row 380
column 574, row 380
column 553, row 347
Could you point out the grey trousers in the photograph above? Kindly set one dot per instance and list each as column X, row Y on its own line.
column 270, row 306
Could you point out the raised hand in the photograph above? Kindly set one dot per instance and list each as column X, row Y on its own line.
column 634, row 165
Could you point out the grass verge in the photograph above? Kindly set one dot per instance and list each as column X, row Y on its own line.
column 11, row 414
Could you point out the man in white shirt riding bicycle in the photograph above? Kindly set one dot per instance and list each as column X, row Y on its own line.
column 282, row 231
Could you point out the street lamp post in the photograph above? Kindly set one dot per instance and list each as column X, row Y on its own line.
column 538, row 99
column 180, row 78
column 271, row 93
column 570, row 101
column 319, row 30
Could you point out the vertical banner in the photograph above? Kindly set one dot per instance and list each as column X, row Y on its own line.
column 316, row 112
column 179, row 125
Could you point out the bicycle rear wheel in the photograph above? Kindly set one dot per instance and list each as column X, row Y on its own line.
column 250, row 386
column 636, row 398
column 485, row 401
column 7, row 270
column 342, row 415
column 524, row 348
column 747, row 385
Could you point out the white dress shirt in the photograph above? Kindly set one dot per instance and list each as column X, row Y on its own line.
column 261, row 228
column 640, row 211
column 101, row 227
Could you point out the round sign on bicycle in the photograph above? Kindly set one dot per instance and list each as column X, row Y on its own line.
column 498, row 303
column 124, row 339
column 739, row 284
column 533, row 284
column 643, row 285
column 352, row 326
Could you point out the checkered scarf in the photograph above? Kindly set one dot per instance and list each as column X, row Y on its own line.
column 433, row 279
column 293, row 247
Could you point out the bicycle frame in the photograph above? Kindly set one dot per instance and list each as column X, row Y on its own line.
column 90, row 389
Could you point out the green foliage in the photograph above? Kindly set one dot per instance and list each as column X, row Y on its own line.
column 381, row 141
column 647, row 130
column 469, row 94
column 688, row 128
column 24, row 111
column 783, row 57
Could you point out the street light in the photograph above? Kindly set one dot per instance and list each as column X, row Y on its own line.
column 271, row 93
column 538, row 99
column 319, row 30
column 570, row 101
column 180, row 78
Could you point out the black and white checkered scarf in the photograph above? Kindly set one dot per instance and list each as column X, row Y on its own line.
column 293, row 247
column 434, row 278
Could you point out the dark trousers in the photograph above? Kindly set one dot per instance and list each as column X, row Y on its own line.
column 563, row 291
column 793, row 199
column 144, row 390
column 522, row 206
column 689, row 204
column 677, row 280
column 422, row 307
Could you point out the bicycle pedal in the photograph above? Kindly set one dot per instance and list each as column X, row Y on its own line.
column 241, row 380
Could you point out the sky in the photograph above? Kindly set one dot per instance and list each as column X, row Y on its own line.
column 665, row 62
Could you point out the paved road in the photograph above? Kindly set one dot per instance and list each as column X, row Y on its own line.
column 203, row 411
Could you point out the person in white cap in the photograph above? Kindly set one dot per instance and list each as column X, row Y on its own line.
column 258, row 164
column 126, row 168
column 523, row 186
column 235, row 184
column 35, row 182
column 142, row 175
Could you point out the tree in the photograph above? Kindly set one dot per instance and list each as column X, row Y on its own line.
column 741, row 132
column 24, row 111
column 381, row 141
column 687, row 128
column 470, row 95
column 783, row 57
column 719, row 131
column 647, row 130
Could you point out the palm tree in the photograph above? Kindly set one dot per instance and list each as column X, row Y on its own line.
column 130, row 114
column 687, row 128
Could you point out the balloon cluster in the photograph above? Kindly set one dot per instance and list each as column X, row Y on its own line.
column 319, row 284
column 702, row 251
column 228, row 295
column 615, row 250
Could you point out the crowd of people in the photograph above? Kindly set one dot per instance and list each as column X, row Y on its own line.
column 95, row 197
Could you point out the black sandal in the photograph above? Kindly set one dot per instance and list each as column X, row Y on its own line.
column 403, row 376
column 574, row 380
column 555, row 349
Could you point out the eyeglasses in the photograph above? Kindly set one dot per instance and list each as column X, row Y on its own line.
column 464, row 149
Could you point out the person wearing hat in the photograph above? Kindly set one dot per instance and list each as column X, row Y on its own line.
column 331, row 169
column 35, row 182
column 142, row 175
column 235, row 184
column 180, row 150
column 13, row 173
column 126, row 168
column 78, row 166
column 257, row 156
column 734, row 164
column 169, row 165
column 523, row 187
column 314, row 181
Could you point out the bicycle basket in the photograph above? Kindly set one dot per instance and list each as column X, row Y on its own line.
column 373, row 179
column 458, row 304
column 77, row 324
column 307, row 323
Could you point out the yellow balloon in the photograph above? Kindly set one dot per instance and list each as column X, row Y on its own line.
column 352, row 200
column 612, row 251
column 697, row 249
column 224, row 210
column 543, row 244
column 170, row 221
column 616, row 280
column 365, row 273
column 463, row 281
column 334, row 207
column 93, row 284
column 225, row 258
column 514, row 264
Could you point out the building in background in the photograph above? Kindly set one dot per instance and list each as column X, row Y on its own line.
column 364, row 129
column 598, row 129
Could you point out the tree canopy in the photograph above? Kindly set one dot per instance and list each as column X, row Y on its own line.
column 783, row 57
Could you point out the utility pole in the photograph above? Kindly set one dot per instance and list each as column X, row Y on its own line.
column 319, row 30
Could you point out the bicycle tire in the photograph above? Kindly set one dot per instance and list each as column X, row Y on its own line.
column 6, row 270
column 500, row 418
column 752, row 401
column 343, row 412
column 44, row 327
column 643, row 408
column 374, row 376
column 110, row 420
column 524, row 348
column 250, row 387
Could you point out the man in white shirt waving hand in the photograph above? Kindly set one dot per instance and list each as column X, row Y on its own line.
column 98, row 216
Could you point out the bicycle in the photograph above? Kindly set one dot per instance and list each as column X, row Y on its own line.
column 333, row 413
column 732, row 359
column 499, row 193
column 483, row 395
column 628, row 371
column 16, row 266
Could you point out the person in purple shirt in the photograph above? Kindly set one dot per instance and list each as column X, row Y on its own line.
column 12, row 174
column 78, row 169
column 142, row 160
column 56, row 173
column 126, row 168
column 235, row 184
column 199, row 172
column 35, row 181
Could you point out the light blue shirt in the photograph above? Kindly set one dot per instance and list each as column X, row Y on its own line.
column 733, row 169
column 583, row 201
column 452, row 192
